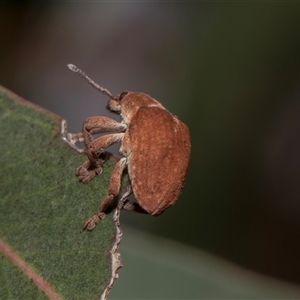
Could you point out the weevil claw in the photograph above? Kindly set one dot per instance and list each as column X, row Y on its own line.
column 91, row 222
column 86, row 175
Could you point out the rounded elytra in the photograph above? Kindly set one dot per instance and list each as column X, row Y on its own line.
column 155, row 149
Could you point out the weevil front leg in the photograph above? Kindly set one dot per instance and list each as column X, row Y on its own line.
column 93, row 166
column 113, row 191
column 94, row 125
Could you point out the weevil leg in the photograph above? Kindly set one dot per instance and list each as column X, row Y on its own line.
column 86, row 172
column 94, row 125
column 126, row 204
column 134, row 206
column 123, row 199
column 113, row 191
column 130, row 205
column 93, row 166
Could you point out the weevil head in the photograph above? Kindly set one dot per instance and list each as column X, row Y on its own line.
column 128, row 103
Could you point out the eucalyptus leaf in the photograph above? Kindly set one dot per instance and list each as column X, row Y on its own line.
column 43, row 208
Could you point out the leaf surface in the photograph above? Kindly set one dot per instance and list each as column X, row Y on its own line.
column 43, row 207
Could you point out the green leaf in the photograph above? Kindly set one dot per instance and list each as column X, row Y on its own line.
column 43, row 208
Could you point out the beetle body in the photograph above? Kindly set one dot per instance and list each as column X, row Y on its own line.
column 155, row 146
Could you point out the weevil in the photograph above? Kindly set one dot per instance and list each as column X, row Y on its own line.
column 155, row 149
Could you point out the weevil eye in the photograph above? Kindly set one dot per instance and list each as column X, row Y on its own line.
column 122, row 95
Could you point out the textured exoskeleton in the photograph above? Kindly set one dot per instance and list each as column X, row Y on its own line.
column 155, row 146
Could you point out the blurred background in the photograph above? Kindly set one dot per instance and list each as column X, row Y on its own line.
column 230, row 71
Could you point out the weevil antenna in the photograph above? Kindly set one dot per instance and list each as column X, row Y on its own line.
column 90, row 81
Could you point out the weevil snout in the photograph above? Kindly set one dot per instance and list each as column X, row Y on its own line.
column 114, row 105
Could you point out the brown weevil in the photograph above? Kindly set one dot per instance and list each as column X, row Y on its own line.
column 155, row 146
